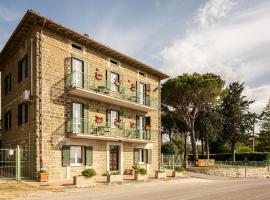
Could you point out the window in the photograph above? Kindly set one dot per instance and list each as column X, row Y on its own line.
column 114, row 62
column 142, row 74
column 22, row 113
column 76, row 46
column 114, row 118
column 77, row 117
column 22, row 69
column 141, row 93
column 77, row 68
column 115, row 82
column 76, row 155
column 142, row 156
column 7, row 83
column 7, row 122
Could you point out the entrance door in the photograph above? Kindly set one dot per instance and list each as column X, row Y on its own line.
column 77, row 70
column 114, row 158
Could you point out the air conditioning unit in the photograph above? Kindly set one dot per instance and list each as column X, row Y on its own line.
column 26, row 95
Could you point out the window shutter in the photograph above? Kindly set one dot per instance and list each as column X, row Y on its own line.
column 9, row 125
column 26, row 112
column 65, row 156
column 9, row 82
column 86, row 75
column 20, row 71
column 6, row 84
column 108, row 117
column 26, row 66
column 137, row 121
column 149, row 156
column 138, row 91
column 121, row 87
column 89, row 155
column 108, row 79
column 136, row 156
column 121, row 118
column 20, row 114
column 147, row 97
column 6, row 121
column 85, row 119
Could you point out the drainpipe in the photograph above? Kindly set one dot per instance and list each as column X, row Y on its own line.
column 41, row 145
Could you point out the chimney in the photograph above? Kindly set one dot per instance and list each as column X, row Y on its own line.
column 86, row 35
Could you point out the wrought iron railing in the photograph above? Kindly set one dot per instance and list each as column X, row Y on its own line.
column 113, row 89
column 83, row 126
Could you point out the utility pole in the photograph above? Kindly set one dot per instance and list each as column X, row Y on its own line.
column 253, row 134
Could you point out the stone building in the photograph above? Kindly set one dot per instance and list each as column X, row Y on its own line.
column 77, row 102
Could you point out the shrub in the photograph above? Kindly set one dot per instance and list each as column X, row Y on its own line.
column 89, row 172
column 179, row 169
column 141, row 171
column 115, row 173
column 43, row 170
column 169, row 148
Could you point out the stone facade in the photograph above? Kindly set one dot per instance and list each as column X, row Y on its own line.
column 50, row 107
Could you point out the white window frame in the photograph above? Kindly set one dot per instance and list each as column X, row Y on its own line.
column 76, row 155
column 77, row 44
column 112, row 119
column 141, row 156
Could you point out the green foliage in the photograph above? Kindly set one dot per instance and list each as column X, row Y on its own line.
column 141, row 171
column 169, row 148
column 237, row 119
column 43, row 170
column 242, row 148
column 179, row 169
column 89, row 172
column 264, row 135
column 189, row 94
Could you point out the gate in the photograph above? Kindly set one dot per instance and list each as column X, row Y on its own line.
column 169, row 162
column 16, row 163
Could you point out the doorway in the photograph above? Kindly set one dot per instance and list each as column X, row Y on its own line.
column 114, row 158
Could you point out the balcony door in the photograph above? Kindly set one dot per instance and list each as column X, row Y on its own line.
column 114, row 158
column 114, row 79
column 78, row 117
column 78, row 72
column 141, row 93
column 140, row 125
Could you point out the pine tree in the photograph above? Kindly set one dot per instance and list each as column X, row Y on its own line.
column 264, row 135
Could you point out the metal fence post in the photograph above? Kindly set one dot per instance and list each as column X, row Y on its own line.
column 162, row 161
column 18, row 163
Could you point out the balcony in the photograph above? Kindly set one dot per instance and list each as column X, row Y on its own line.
column 81, row 128
column 85, row 86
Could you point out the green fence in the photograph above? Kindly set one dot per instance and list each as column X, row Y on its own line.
column 16, row 163
column 170, row 162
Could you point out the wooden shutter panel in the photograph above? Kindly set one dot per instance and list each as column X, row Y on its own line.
column 121, row 87
column 20, row 71
column 85, row 118
column 121, row 118
column 149, row 156
column 108, row 117
column 136, row 156
column 9, row 82
column 89, row 155
column 26, row 66
column 108, row 79
column 10, row 122
column 6, row 85
column 147, row 97
column 86, row 75
column 65, row 156
column 20, row 114
column 26, row 112
column 6, row 121
column 138, row 91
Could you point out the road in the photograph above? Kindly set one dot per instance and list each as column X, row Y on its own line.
column 181, row 189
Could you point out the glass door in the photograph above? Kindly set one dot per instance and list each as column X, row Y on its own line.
column 77, row 70
column 77, row 115
column 114, row 82
column 141, row 93
column 114, row 158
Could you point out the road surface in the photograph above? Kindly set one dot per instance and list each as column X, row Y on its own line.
column 181, row 189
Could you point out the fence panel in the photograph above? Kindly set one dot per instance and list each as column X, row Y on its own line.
column 8, row 163
column 169, row 162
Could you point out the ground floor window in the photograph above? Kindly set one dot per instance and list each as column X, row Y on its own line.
column 142, row 156
column 76, row 155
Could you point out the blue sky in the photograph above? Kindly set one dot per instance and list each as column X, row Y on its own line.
column 227, row 37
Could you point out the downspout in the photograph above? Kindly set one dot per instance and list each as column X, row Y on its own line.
column 41, row 145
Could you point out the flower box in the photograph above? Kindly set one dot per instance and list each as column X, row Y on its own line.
column 177, row 174
column 116, row 82
column 118, row 178
column 140, row 177
column 98, row 119
column 83, row 181
column 132, row 125
column 98, row 76
column 43, row 177
column 160, row 174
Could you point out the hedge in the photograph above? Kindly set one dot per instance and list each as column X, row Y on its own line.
column 253, row 156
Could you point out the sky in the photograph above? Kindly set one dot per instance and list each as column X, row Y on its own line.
column 228, row 37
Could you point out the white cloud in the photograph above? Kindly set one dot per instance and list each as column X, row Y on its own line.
column 229, row 38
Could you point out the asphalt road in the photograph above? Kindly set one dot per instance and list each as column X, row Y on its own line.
column 190, row 188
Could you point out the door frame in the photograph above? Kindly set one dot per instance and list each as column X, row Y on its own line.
column 120, row 156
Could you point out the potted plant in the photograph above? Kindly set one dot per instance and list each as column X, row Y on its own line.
column 132, row 125
column 114, row 177
column 140, row 174
column 85, row 179
column 116, row 82
column 177, row 171
column 160, row 174
column 98, row 76
column 147, row 93
column 117, row 122
column 98, row 119
column 43, row 175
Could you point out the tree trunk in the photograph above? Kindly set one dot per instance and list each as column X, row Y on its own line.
column 170, row 135
column 193, row 141
column 185, row 152
column 207, row 148
column 233, row 151
column 202, row 145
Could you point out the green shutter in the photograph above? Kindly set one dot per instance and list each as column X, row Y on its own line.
column 136, row 156
column 147, row 97
column 86, row 75
column 85, row 118
column 138, row 91
column 89, row 155
column 108, row 79
column 149, row 156
column 65, row 156
column 108, row 117
column 121, row 117
column 121, row 87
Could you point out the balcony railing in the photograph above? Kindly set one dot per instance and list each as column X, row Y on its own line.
column 122, row 131
column 112, row 89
